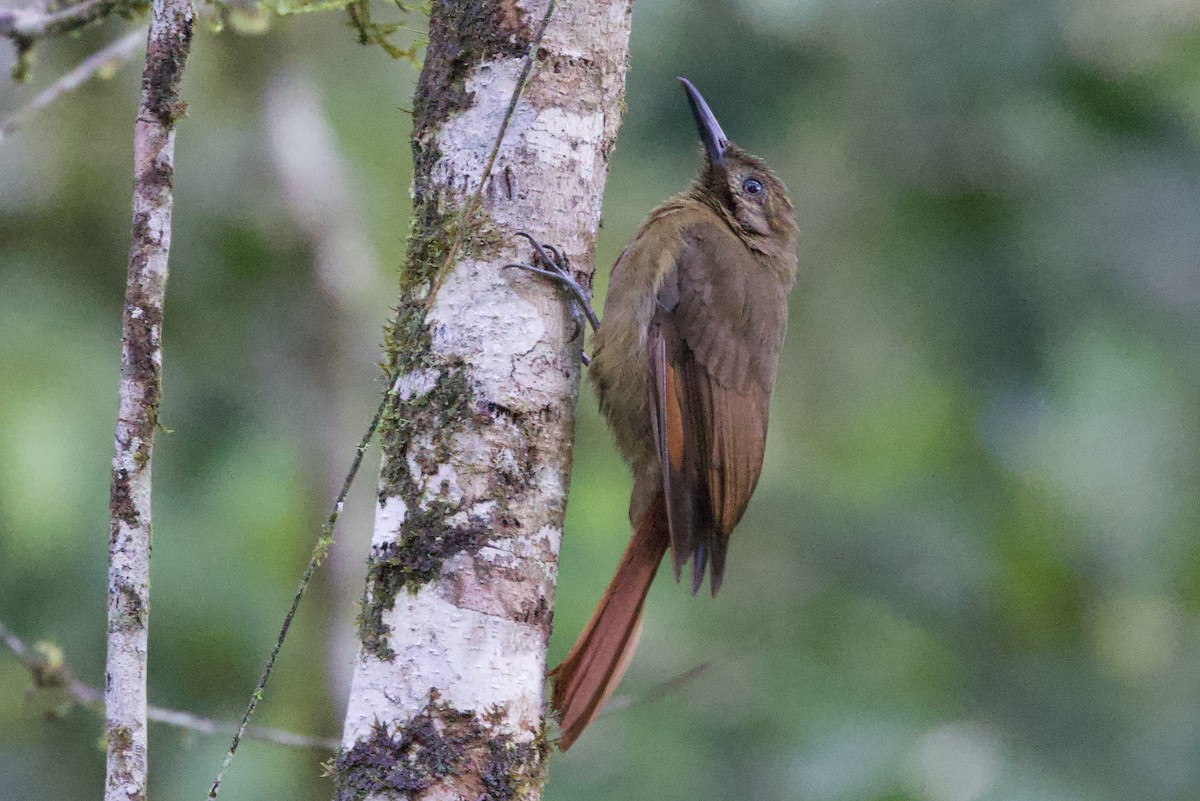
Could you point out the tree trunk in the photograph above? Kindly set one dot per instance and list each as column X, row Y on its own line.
column 447, row 695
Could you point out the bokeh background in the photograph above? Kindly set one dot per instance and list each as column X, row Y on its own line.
column 971, row 570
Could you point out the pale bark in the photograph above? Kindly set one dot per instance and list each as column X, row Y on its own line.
column 140, row 391
column 447, row 697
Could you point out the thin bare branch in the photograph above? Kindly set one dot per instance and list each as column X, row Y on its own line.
column 110, row 56
column 140, row 390
column 320, row 549
column 658, row 691
column 37, row 23
column 47, row 672
column 186, row 720
column 15, row 644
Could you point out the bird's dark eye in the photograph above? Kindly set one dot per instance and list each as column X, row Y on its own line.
column 752, row 186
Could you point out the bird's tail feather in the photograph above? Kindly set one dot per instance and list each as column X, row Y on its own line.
column 591, row 671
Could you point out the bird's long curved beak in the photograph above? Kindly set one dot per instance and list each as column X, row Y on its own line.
column 710, row 130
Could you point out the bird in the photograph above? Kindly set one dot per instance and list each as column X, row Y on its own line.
column 683, row 364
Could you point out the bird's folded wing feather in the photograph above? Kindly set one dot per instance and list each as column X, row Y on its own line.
column 712, row 347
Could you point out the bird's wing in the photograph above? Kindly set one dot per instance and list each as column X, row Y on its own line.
column 713, row 351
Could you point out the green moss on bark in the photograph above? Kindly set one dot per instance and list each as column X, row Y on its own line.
column 120, row 738
column 426, row 540
column 442, row 743
column 462, row 34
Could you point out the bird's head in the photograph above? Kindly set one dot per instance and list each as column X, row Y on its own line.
column 739, row 185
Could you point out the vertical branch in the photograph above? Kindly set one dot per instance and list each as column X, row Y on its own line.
column 447, row 696
column 141, row 388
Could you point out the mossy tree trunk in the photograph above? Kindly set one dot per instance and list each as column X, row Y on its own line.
column 447, row 697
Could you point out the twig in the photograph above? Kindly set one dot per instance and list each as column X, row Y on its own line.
column 186, row 720
column 314, row 561
column 48, row 670
column 38, row 23
column 114, row 53
column 47, row 673
column 140, row 390
column 660, row 690
column 14, row 644
column 472, row 206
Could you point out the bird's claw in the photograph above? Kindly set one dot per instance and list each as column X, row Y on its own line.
column 552, row 263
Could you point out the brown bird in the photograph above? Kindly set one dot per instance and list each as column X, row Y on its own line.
column 683, row 365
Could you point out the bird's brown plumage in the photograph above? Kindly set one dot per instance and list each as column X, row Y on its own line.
column 684, row 363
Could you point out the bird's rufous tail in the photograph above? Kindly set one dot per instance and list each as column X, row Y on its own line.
column 591, row 671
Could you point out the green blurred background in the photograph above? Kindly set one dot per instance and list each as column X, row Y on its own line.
column 970, row 570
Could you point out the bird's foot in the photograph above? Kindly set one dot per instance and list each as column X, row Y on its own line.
column 552, row 263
